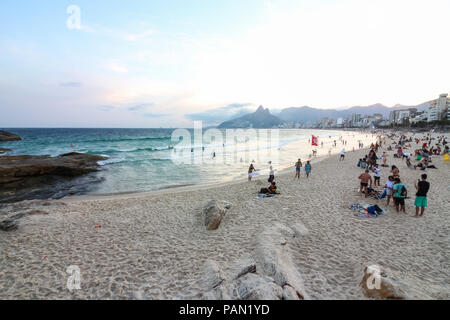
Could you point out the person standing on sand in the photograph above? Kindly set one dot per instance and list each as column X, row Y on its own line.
column 365, row 178
column 250, row 171
column 389, row 186
column 298, row 167
column 342, row 158
column 376, row 175
column 422, row 187
column 400, row 194
column 308, row 169
column 271, row 175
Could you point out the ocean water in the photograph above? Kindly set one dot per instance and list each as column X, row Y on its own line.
column 151, row 159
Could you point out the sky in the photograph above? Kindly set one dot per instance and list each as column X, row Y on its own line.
column 154, row 63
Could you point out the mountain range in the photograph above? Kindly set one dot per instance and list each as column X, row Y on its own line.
column 262, row 118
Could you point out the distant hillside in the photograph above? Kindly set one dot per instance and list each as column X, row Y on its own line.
column 261, row 118
column 307, row 114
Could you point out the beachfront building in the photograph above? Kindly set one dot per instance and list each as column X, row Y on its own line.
column 420, row 117
column 439, row 108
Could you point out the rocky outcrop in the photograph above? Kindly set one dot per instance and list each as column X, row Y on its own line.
column 8, row 136
column 274, row 261
column 269, row 274
column 17, row 168
column 21, row 177
column 12, row 223
column 213, row 213
column 377, row 284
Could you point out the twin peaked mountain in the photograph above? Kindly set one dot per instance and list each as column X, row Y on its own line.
column 261, row 118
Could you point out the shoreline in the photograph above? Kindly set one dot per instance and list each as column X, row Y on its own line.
column 189, row 188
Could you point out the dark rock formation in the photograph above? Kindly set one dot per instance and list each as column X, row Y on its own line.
column 42, row 177
column 8, row 136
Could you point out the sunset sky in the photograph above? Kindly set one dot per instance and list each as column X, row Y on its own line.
column 148, row 63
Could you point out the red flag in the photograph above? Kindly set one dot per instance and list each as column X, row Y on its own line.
column 315, row 141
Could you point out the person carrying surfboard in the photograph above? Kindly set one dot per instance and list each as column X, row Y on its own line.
column 250, row 171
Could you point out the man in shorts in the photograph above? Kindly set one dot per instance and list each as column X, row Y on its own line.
column 399, row 195
column 365, row 178
column 342, row 155
column 422, row 187
column 298, row 167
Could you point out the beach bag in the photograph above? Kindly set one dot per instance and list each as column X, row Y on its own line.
column 404, row 192
column 378, row 209
column 371, row 210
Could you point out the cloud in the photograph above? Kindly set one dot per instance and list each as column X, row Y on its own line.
column 70, row 84
column 106, row 108
column 223, row 113
column 141, row 107
column 156, row 115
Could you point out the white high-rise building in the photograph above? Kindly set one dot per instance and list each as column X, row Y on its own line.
column 439, row 108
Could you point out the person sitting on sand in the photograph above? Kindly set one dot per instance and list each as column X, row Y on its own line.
column 400, row 194
column 308, row 169
column 365, row 178
column 273, row 188
column 298, row 167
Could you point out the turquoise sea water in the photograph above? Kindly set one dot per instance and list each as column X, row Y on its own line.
column 150, row 159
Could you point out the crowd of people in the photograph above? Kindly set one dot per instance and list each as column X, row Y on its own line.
column 394, row 188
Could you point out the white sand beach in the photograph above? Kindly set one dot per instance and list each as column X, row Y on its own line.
column 154, row 245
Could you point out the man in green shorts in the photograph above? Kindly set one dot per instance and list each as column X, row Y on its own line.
column 422, row 187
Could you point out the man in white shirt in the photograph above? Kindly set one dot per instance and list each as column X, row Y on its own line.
column 342, row 155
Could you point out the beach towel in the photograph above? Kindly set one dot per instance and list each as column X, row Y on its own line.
column 365, row 210
column 261, row 196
